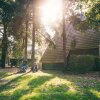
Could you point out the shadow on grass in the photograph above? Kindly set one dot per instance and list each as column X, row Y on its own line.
column 4, row 74
column 63, row 96
column 39, row 81
column 84, row 85
column 62, row 92
column 18, row 93
column 7, row 74
column 9, row 84
column 48, row 92
column 52, row 93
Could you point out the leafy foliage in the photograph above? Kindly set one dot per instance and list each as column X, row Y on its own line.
column 92, row 16
column 6, row 11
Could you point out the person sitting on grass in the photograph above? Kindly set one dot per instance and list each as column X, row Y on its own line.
column 23, row 66
column 35, row 67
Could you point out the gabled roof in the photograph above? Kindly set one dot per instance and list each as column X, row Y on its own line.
column 86, row 40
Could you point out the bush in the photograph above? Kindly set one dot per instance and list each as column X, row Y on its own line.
column 97, row 64
column 82, row 63
column 52, row 66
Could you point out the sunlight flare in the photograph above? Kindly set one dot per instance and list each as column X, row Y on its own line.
column 51, row 11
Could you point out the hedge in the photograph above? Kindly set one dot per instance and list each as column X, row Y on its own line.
column 97, row 64
column 52, row 66
column 83, row 63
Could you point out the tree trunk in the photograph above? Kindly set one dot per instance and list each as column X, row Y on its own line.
column 26, row 39
column 33, row 44
column 4, row 46
column 64, row 38
column 68, row 58
column 64, row 49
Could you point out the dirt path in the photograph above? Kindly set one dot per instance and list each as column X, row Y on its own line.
column 12, row 70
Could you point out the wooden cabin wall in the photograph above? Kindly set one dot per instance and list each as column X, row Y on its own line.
column 83, row 41
column 91, row 51
column 86, row 44
column 54, row 55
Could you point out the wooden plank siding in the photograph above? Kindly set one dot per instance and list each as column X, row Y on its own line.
column 84, row 42
column 54, row 55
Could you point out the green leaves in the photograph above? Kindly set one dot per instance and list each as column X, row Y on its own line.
column 93, row 16
column 6, row 11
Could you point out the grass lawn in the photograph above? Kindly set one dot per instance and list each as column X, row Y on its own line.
column 48, row 86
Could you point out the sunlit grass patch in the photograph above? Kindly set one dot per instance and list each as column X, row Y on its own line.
column 95, row 92
column 23, row 83
column 4, row 74
column 57, row 84
column 49, row 86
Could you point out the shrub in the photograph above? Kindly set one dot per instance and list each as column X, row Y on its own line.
column 52, row 66
column 81, row 63
column 97, row 64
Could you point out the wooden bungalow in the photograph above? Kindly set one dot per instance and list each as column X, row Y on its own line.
column 78, row 44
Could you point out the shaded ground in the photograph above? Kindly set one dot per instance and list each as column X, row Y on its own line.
column 48, row 85
column 13, row 70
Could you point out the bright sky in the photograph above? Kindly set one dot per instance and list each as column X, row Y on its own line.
column 51, row 14
column 51, row 11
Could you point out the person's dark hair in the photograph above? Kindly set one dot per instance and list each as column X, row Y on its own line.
column 25, row 61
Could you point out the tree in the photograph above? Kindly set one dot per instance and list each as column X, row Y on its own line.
column 64, row 36
column 33, row 35
column 26, row 38
column 13, row 16
column 66, row 53
column 93, row 16
column 33, row 43
column 6, row 16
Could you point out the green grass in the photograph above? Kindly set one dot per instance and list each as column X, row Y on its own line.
column 48, row 86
